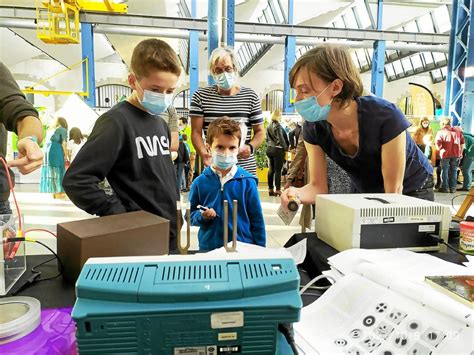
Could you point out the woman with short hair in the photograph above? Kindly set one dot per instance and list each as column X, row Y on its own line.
column 365, row 135
column 227, row 98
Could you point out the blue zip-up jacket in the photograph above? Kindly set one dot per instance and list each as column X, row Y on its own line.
column 207, row 191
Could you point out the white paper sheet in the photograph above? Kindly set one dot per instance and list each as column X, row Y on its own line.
column 243, row 131
column 382, row 303
column 404, row 263
column 357, row 314
column 298, row 251
column 470, row 262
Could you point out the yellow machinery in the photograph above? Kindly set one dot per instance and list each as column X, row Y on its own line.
column 32, row 90
column 466, row 204
column 58, row 20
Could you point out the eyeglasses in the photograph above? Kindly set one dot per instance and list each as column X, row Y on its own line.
column 227, row 69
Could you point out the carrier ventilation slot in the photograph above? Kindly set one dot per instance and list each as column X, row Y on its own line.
column 190, row 272
column 401, row 211
column 117, row 274
column 261, row 270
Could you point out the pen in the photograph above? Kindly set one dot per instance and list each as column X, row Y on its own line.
column 204, row 208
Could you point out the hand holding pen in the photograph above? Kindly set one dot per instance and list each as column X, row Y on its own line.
column 207, row 213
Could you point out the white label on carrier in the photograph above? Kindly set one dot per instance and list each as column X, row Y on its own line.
column 427, row 228
column 227, row 320
column 227, row 336
column 190, row 351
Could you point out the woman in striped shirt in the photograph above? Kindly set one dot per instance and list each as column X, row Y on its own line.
column 227, row 98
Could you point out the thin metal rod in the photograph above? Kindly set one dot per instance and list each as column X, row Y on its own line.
column 188, row 227
column 226, row 223
column 234, row 226
column 233, row 248
column 179, row 216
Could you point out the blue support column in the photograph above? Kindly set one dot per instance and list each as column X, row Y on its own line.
column 459, row 81
column 468, row 105
column 88, row 71
column 290, row 53
column 230, row 23
column 212, row 30
column 451, row 55
column 378, row 58
column 193, row 56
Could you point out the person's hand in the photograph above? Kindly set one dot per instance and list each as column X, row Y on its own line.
column 287, row 184
column 244, row 152
column 209, row 213
column 30, row 156
column 287, row 194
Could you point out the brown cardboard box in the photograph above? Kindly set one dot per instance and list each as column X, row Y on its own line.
column 128, row 234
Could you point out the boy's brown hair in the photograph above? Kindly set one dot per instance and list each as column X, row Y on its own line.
column 331, row 62
column 223, row 125
column 154, row 54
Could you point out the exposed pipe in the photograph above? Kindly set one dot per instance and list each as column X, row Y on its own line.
column 389, row 45
column 144, row 31
column 239, row 37
column 17, row 23
column 243, row 37
column 223, row 39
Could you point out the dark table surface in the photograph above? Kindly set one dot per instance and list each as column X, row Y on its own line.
column 57, row 293
column 317, row 253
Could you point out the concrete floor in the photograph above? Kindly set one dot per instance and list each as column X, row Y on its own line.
column 42, row 211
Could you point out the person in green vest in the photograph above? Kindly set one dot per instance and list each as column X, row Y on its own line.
column 467, row 161
column 185, row 128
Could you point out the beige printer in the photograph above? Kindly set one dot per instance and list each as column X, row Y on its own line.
column 380, row 221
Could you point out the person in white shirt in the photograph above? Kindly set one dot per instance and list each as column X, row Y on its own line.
column 75, row 143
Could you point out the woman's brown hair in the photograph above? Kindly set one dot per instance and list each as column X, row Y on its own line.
column 331, row 62
column 61, row 121
column 76, row 135
column 424, row 119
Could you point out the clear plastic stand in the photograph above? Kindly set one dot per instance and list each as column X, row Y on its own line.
column 12, row 254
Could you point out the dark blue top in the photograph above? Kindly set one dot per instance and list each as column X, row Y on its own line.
column 380, row 121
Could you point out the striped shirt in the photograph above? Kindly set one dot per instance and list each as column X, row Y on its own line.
column 243, row 107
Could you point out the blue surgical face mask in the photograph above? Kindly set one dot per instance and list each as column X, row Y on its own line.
column 224, row 161
column 155, row 102
column 225, row 80
column 310, row 109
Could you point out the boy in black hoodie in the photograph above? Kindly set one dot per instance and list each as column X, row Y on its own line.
column 130, row 145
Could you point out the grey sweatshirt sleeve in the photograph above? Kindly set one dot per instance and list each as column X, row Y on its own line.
column 13, row 104
column 173, row 120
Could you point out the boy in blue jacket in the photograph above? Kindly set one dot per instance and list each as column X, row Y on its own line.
column 224, row 180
